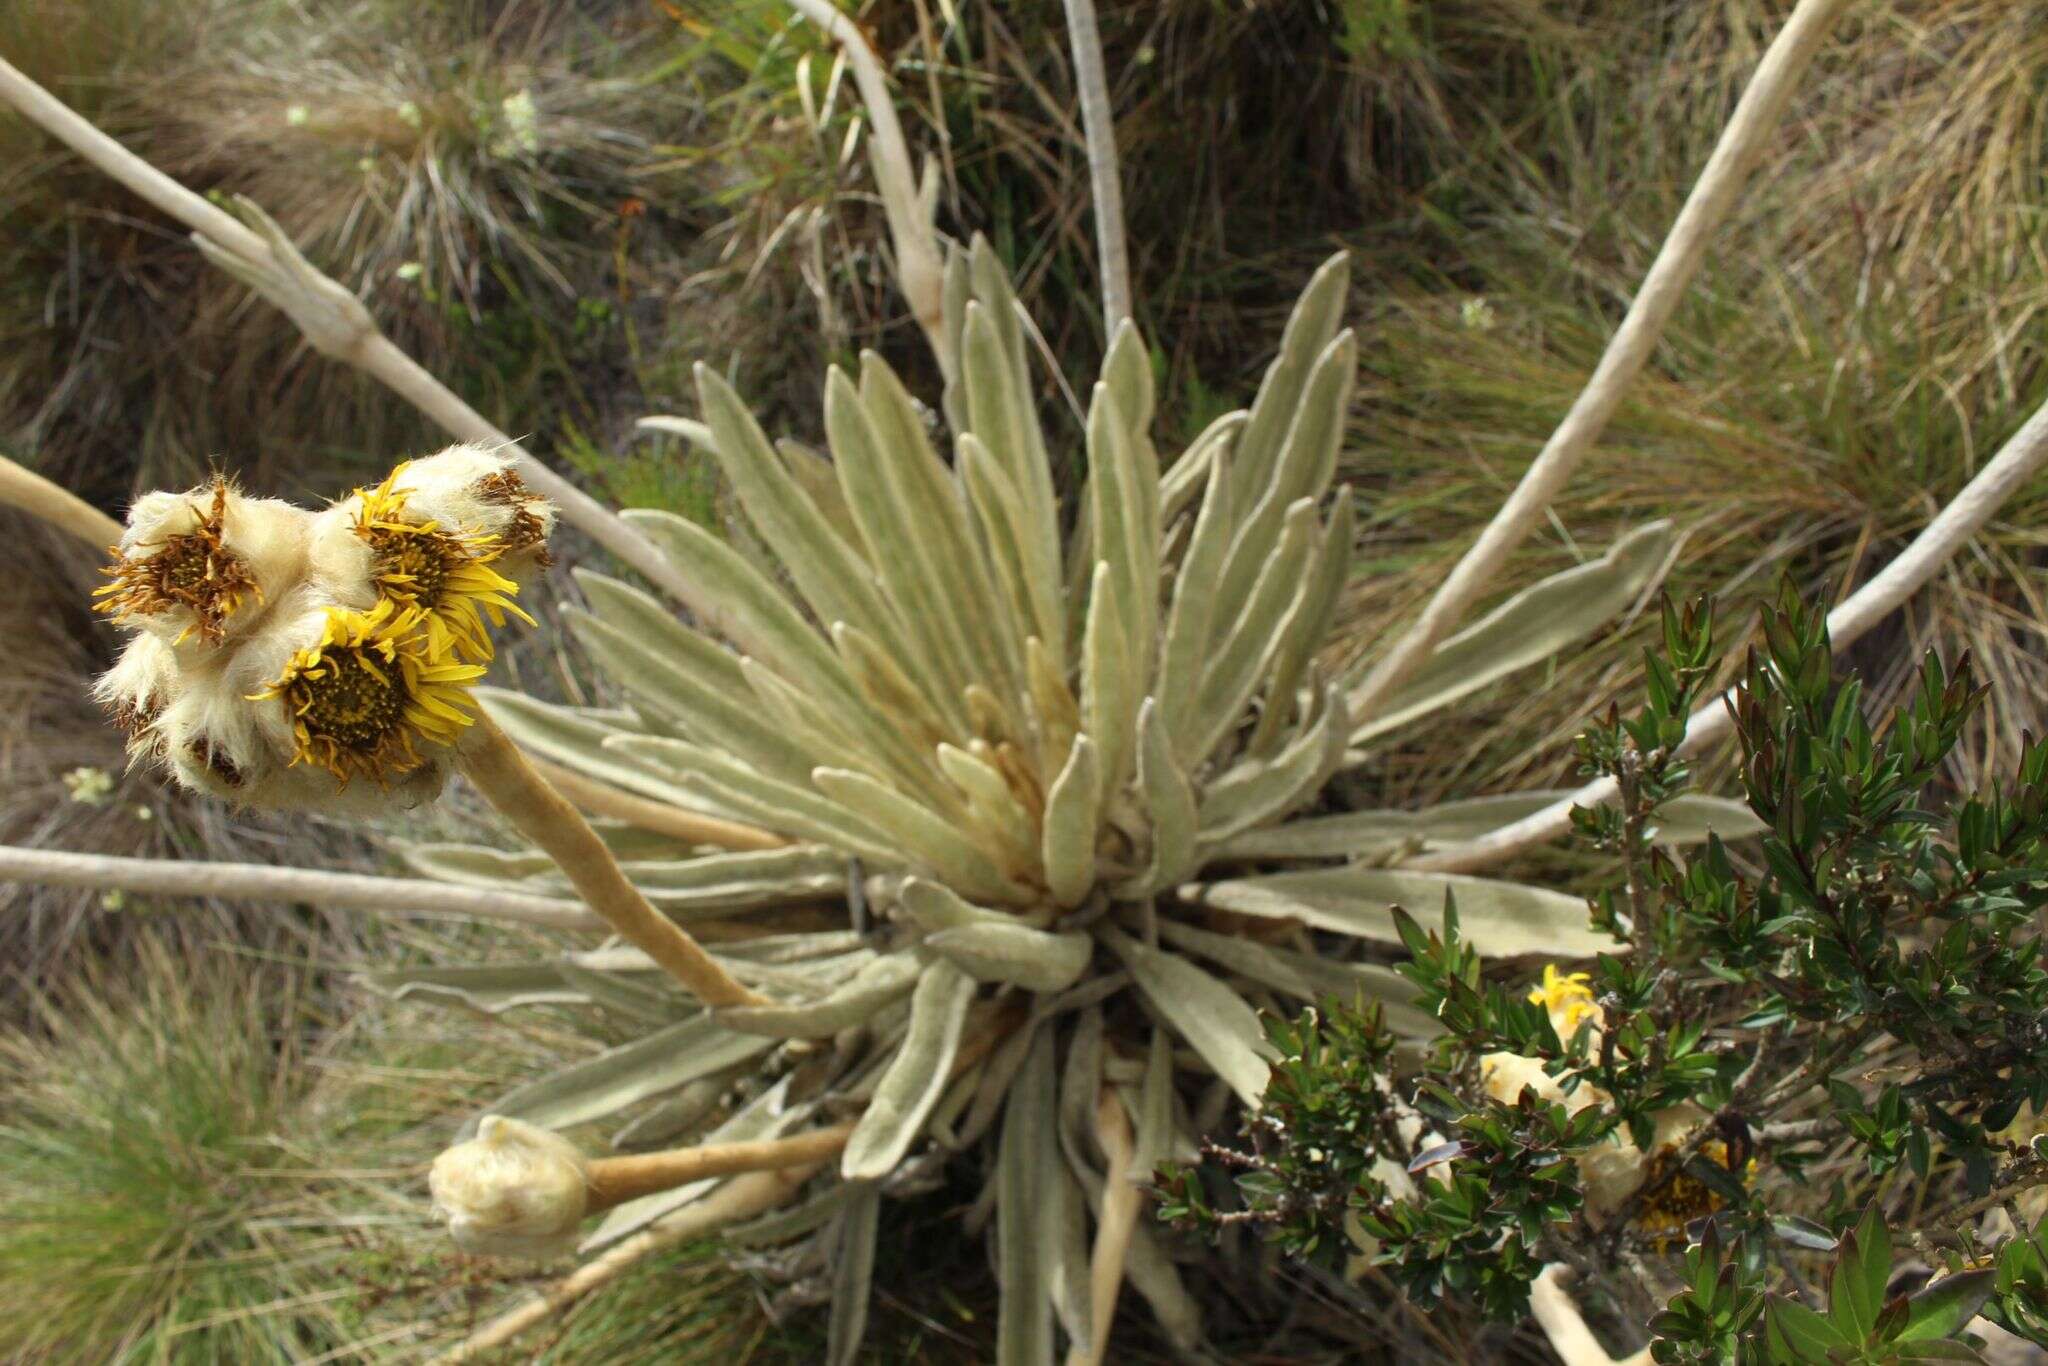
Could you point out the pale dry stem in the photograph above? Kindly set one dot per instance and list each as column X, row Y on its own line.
column 511, row 784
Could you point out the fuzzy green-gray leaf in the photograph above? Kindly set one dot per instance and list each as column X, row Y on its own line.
column 911, row 1086
column 1500, row 919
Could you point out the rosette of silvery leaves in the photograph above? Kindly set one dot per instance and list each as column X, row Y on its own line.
column 1055, row 799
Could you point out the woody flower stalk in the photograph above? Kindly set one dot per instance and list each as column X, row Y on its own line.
column 324, row 661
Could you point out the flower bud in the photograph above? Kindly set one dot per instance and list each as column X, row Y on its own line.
column 512, row 1191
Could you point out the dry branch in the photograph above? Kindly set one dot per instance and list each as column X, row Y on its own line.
column 1713, row 197
column 1938, row 543
column 260, row 882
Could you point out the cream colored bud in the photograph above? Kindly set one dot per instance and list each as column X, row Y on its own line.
column 512, row 1191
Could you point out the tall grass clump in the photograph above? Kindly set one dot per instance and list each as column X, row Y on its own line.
column 139, row 1157
column 1863, row 337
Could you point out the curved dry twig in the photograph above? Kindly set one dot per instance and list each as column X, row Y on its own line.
column 1706, row 208
column 1951, row 529
column 1574, row 1343
column 22, row 487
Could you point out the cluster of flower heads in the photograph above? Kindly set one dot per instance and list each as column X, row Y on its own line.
column 1614, row 1170
column 279, row 654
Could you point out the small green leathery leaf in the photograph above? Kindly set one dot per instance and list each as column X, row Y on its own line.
column 910, row 1087
column 1216, row 1021
column 1071, row 815
column 1501, row 919
column 1796, row 1333
column 1027, row 1163
column 1015, row 954
column 1943, row 1308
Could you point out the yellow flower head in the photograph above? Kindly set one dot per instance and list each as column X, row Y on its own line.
column 1569, row 999
column 189, row 569
column 444, row 573
column 361, row 695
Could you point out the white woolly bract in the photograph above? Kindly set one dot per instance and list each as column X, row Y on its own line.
column 142, row 684
column 454, row 488
column 512, row 1191
column 339, row 563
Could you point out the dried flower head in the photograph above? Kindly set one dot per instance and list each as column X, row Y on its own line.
column 367, row 689
column 512, row 1191
column 202, row 562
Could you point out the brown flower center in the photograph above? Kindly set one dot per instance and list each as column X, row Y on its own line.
column 351, row 704
column 415, row 563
